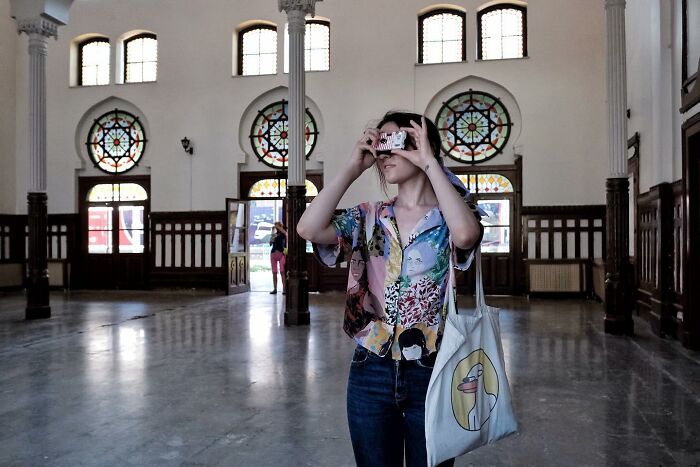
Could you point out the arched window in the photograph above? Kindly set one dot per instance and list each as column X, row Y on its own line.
column 277, row 188
column 140, row 58
column 502, row 32
column 317, row 46
column 94, row 62
column 441, row 36
column 257, row 50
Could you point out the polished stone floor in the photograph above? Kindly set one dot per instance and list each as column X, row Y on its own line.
column 196, row 378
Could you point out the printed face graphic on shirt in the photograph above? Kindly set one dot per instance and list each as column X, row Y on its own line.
column 414, row 262
column 413, row 352
column 357, row 265
column 412, row 343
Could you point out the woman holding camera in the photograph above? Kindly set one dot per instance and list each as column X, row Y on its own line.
column 406, row 245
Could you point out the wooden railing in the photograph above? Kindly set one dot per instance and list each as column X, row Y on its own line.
column 188, row 249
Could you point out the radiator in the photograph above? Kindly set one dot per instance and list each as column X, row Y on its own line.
column 11, row 275
column 557, row 277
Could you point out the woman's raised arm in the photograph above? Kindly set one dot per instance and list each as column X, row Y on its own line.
column 315, row 224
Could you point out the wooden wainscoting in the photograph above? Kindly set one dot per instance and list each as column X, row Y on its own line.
column 660, row 260
column 563, row 241
column 188, row 249
column 62, row 249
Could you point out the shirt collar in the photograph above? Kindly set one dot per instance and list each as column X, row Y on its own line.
column 432, row 219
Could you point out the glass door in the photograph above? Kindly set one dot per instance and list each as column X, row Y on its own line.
column 237, row 246
column 116, row 249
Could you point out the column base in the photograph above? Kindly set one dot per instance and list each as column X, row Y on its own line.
column 690, row 340
column 297, row 304
column 38, row 280
column 618, row 326
column 37, row 312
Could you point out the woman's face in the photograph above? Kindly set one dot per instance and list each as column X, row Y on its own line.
column 396, row 169
column 357, row 265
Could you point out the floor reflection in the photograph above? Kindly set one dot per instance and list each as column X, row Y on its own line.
column 178, row 378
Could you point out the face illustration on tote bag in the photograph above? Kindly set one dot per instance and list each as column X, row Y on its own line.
column 474, row 385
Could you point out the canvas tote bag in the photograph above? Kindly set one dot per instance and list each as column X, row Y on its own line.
column 468, row 403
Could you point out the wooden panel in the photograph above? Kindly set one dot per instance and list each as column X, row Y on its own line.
column 188, row 249
column 559, row 235
column 660, row 258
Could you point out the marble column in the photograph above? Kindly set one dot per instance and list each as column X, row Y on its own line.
column 618, row 280
column 39, row 30
column 297, row 300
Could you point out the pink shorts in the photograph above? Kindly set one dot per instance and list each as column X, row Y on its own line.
column 277, row 257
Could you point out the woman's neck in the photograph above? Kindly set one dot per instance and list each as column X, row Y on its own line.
column 416, row 191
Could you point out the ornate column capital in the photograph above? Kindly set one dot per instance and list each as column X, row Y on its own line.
column 307, row 6
column 614, row 3
column 41, row 26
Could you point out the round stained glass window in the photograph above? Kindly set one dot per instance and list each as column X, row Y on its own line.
column 116, row 141
column 269, row 134
column 474, row 127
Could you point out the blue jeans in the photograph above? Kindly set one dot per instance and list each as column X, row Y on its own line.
column 386, row 409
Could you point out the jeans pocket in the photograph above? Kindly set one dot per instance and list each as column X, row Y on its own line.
column 360, row 356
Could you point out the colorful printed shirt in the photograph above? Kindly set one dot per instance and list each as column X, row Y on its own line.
column 395, row 296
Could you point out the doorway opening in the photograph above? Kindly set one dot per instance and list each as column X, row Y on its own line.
column 265, row 193
column 263, row 215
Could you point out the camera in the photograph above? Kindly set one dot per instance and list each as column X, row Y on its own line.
column 389, row 141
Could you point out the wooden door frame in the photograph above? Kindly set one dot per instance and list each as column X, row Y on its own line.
column 691, row 213
column 633, row 170
column 84, row 186
column 514, row 173
column 239, row 288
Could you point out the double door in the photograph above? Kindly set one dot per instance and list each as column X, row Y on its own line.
column 114, row 231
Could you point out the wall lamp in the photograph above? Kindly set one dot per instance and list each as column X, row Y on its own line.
column 187, row 146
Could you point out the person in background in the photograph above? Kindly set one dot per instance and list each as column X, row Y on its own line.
column 278, row 240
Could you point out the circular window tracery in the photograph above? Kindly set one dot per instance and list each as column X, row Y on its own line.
column 269, row 134
column 474, row 126
column 116, row 141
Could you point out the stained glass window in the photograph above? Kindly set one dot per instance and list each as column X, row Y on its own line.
column 269, row 134
column 105, row 192
column 486, row 183
column 441, row 37
column 116, row 141
column 94, row 62
column 474, row 126
column 141, row 58
column 317, row 46
column 257, row 50
column 502, row 32
column 277, row 188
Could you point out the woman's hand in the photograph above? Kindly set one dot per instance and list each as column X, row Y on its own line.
column 423, row 154
column 363, row 154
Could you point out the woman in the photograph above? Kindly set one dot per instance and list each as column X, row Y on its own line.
column 278, row 240
column 406, row 244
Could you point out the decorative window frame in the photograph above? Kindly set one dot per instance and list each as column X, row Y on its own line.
column 79, row 62
column 316, row 20
column 439, row 11
column 124, row 55
column 239, row 46
column 500, row 6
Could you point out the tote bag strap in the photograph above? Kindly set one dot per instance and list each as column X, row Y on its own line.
column 480, row 301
